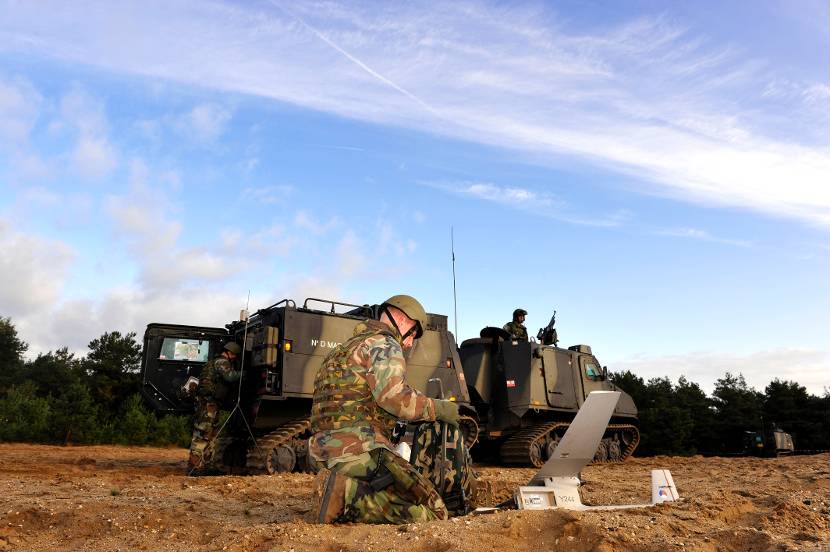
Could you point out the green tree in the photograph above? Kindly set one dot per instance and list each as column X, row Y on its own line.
column 136, row 424
column 112, row 364
column 631, row 383
column 12, row 349
column 788, row 406
column 689, row 397
column 53, row 372
column 738, row 409
column 635, row 386
column 23, row 415
column 820, row 406
column 173, row 430
column 666, row 427
column 75, row 416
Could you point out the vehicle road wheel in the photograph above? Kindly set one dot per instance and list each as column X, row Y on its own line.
column 282, row 459
column 602, row 452
column 551, row 445
column 535, row 454
column 614, row 450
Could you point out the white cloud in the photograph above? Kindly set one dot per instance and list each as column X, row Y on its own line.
column 93, row 155
column 806, row 366
column 74, row 323
column 389, row 242
column 817, row 93
column 83, row 112
column 202, row 125
column 703, row 235
column 538, row 203
column 301, row 287
column 174, row 282
column 41, row 196
column 147, row 220
column 20, row 106
column 270, row 195
column 351, row 259
column 32, row 271
column 304, row 221
column 644, row 97
column 205, row 122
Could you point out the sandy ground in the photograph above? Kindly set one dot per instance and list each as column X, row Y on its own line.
column 122, row 498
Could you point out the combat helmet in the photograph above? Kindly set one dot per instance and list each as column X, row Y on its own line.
column 410, row 307
column 233, row 347
column 519, row 312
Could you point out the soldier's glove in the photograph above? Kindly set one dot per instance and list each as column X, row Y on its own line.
column 446, row 411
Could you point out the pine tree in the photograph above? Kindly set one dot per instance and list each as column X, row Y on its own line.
column 738, row 409
column 112, row 366
column 12, row 349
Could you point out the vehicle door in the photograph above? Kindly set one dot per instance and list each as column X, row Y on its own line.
column 172, row 358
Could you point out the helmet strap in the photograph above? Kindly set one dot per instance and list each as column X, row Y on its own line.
column 416, row 328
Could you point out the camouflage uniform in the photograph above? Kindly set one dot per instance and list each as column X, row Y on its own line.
column 212, row 393
column 454, row 480
column 359, row 393
column 516, row 330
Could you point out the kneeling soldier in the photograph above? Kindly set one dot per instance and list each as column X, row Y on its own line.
column 359, row 393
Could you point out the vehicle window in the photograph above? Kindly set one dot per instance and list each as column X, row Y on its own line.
column 592, row 372
column 177, row 348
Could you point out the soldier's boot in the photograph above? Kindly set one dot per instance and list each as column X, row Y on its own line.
column 328, row 499
column 194, row 461
column 199, row 461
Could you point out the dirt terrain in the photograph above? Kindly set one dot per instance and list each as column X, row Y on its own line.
column 123, row 498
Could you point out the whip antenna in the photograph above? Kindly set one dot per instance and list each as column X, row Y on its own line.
column 454, row 298
column 242, row 373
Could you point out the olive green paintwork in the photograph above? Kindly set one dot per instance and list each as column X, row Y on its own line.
column 284, row 347
column 518, row 378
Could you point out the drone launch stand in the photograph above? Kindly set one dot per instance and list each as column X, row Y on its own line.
column 556, row 485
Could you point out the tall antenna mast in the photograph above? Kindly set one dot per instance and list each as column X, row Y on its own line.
column 454, row 298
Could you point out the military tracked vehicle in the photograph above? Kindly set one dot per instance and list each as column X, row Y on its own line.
column 777, row 443
column 523, row 394
column 284, row 347
column 527, row 392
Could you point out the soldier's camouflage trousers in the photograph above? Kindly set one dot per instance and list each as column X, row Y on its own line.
column 451, row 472
column 205, row 427
column 376, row 487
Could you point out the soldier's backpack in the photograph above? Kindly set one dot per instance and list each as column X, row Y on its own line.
column 440, row 455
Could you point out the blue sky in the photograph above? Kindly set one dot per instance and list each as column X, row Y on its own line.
column 655, row 172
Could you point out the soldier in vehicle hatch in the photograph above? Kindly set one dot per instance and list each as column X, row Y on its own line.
column 216, row 385
column 359, row 393
column 516, row 328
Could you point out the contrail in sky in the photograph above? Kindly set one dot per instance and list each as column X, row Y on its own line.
column 359, row 63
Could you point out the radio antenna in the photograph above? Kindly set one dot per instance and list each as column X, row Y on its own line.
column 242, row 373
column 454, row 298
